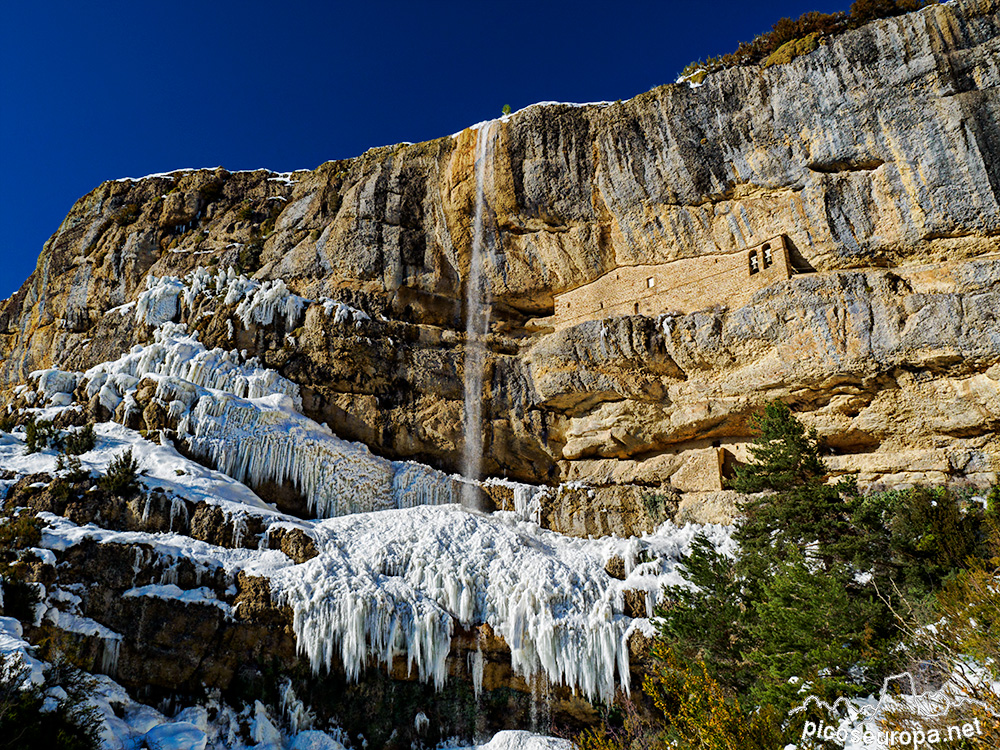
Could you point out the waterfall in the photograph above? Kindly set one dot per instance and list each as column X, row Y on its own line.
column 477, row 323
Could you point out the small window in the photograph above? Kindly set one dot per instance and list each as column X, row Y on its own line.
column 650, row 282
column 567, row 304
column 636, row 308
column 754, row 267
column 767, row 256
column 601, row 305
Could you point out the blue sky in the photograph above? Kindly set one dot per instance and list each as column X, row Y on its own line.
column 95, row 91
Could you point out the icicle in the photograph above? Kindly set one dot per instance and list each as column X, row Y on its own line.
column 110, row 652
column 160, row 302
column 379, row 588
column 239, row 530
column 298, row 716
column 178, row 509
column 177, row 354
column 169, row 574
column 140, row 557
column 265, row 440
column 476, row 668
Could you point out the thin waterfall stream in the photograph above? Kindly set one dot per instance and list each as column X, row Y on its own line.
column 478, row 307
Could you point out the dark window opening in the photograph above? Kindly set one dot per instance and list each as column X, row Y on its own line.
column 767, row 256
column 636, row 306
column 754, row 267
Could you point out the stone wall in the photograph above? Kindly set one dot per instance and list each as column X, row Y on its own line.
column 683, row 285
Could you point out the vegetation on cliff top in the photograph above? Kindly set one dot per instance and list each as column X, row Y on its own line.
column 788, row 38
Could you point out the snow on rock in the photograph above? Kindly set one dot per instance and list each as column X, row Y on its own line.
column 160, row 301
column 313, row 740
column 342, row 313
column 61, row 534
column 166, row 297
column 53, row 383
column 13, row 646
column 164, row 468
column 178, row 354
column 242, row 418
column 110, row 640
column 393, row 582
column 179, row 735
column 262, row 730
column 512, row 739
column 203, row 595
column 396, row 582
column 270, row 300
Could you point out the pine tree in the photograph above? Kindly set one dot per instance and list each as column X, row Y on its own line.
column 797, row 508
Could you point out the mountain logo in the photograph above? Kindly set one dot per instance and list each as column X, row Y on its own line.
column 859, row 723
column 931, row 704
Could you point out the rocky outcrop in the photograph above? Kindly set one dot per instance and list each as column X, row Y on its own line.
column 170, row 628
column 875, row 155
column 871, row 357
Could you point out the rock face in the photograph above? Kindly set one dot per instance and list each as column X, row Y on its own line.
column 880, row 360
column 876, row 157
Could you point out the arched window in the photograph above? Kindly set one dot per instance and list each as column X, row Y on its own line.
column 768, row 260
column 754, row 267
column 636, row 308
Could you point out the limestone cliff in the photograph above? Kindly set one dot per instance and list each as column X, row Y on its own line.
column 877, row 156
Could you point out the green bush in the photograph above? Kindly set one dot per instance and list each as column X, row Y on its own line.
column 41, row 434
column 915, row 539
column 71, row 724
column 248, row 258
column 659, row 506
column 811, row 593
column 863, row 11
column 122, row 477
column 127, row 214
column 795, row 48
column 803, row 34
column 245, row 212
column 79, row 441
column 71, row 468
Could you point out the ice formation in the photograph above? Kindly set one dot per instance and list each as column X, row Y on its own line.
column 167, row 297
column 242, row 418
column 395, row 583
column 175, row 353
column 398, row 582
column 52, row 384
column 160, row 302
column 298, row 715
column 266, row 440
column 271, row 300
column 343, row 313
